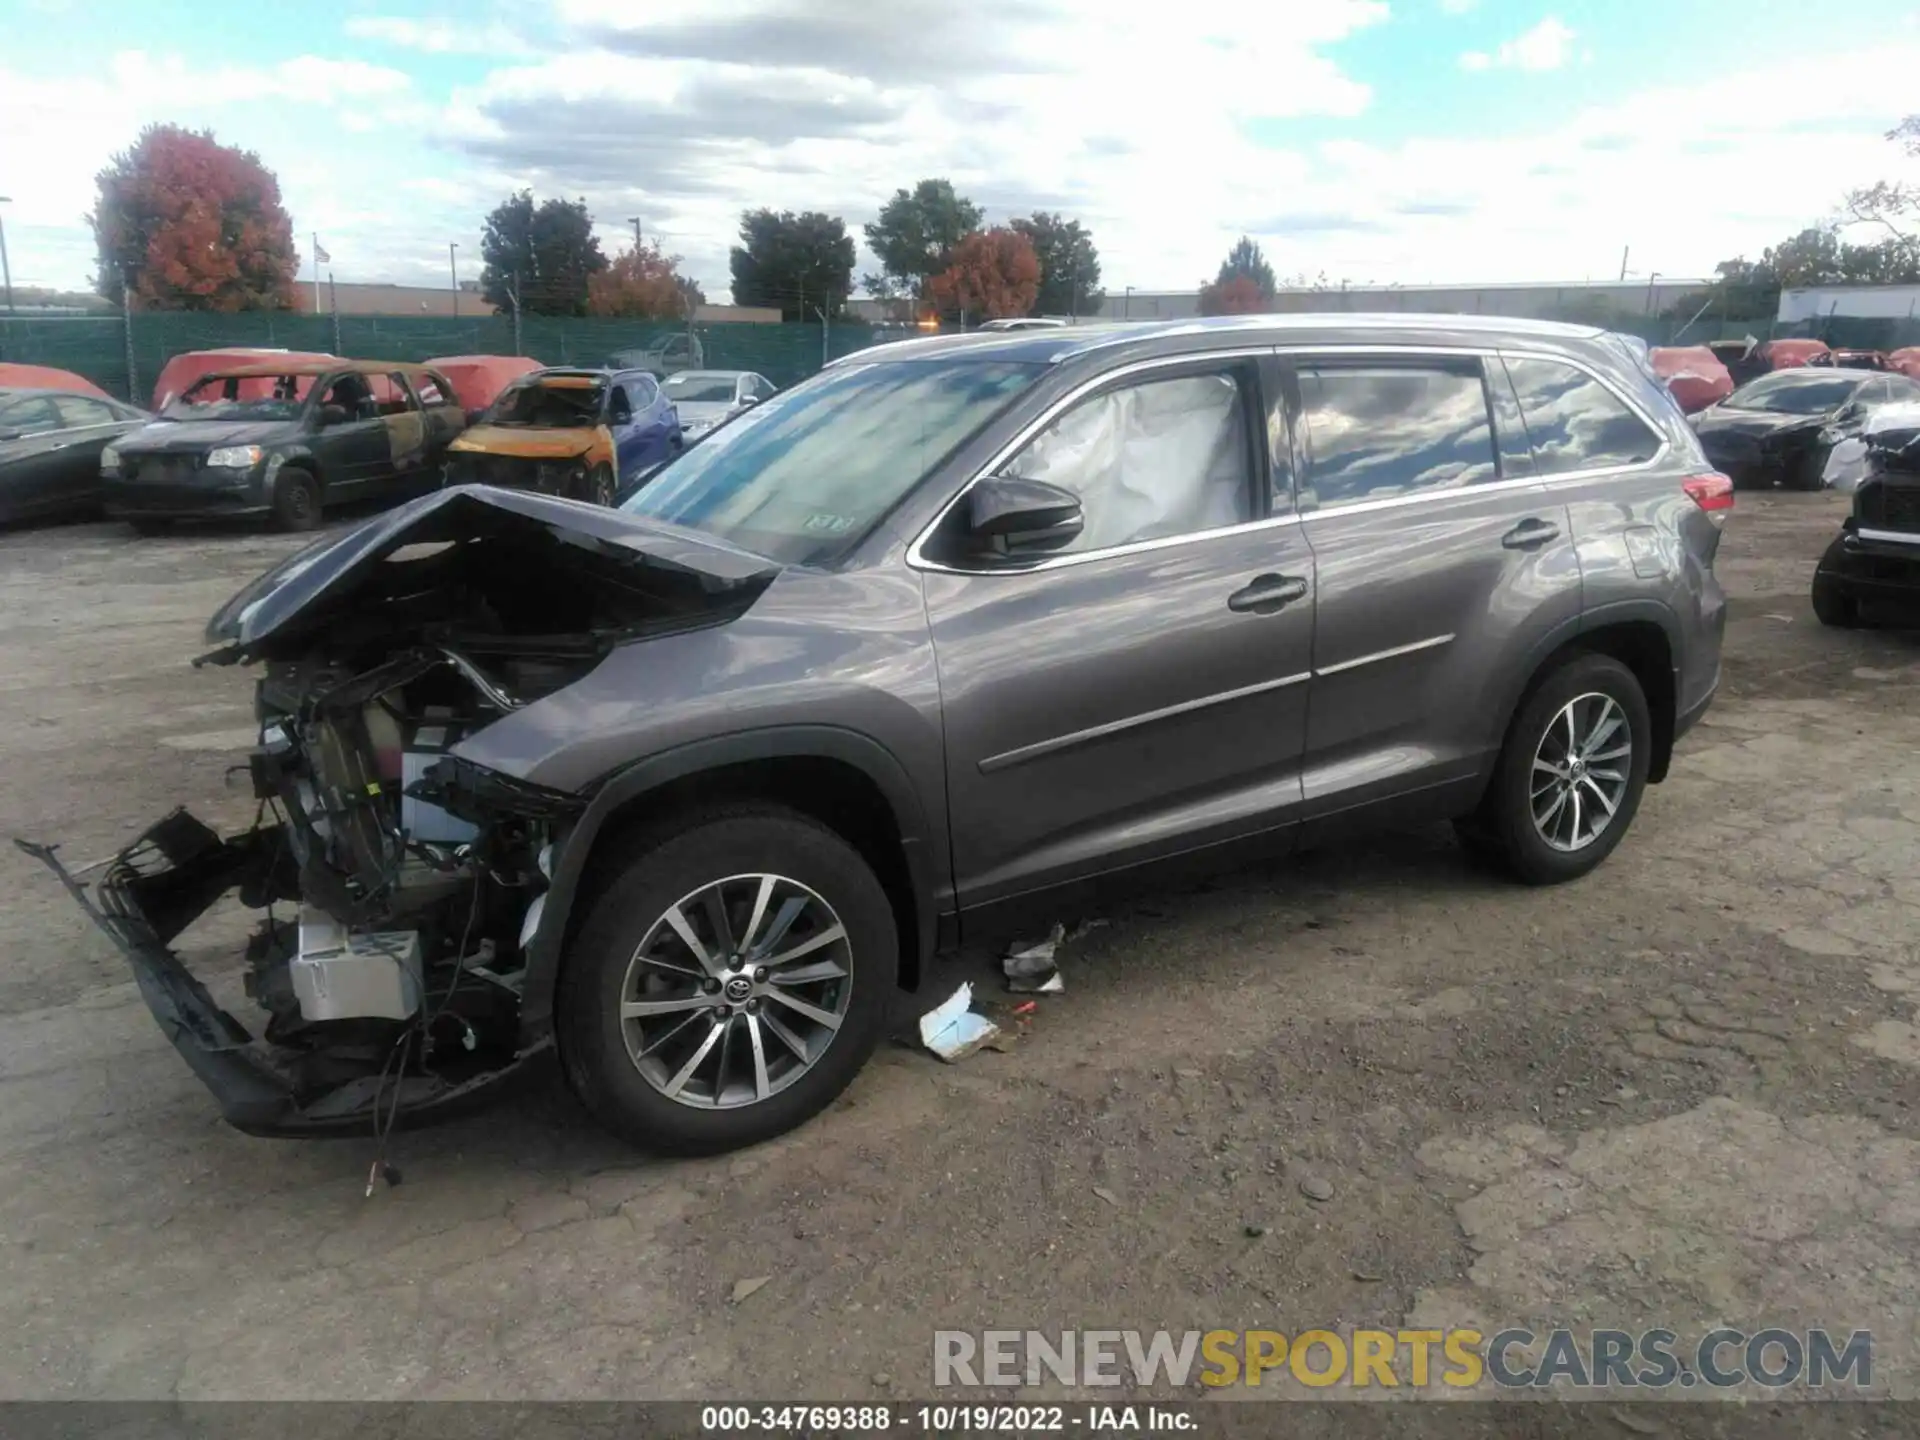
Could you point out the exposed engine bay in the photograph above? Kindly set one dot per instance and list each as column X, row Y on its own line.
column 399, row 886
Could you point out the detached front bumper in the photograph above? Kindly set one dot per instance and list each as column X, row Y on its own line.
column 154, row 889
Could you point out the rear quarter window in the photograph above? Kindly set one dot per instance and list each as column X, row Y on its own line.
column 1376, row 431
column 1575, row 422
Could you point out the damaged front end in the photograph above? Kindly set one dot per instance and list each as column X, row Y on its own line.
column 400, row 885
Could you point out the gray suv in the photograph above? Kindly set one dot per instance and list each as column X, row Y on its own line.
column 923, row 649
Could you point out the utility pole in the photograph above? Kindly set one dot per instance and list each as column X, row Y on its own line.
column 453, row 273
column 333, row 303
column 634, row 220
column 6, row 269
column 513, row 297
column 126, row 325
column 1625, row 250
column 824, row 327
column 1126, row 304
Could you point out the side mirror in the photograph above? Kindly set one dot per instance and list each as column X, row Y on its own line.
column 749, row 400
column 1011, row 517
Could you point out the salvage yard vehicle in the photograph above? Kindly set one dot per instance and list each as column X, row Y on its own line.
column 50, row 444
column 581, row 434
column 181, row 371
column 1693, row 374
column 706, row 398
column 479, row 379
column 1781, row 428
column 949, row 637
column 1875, row 559
column 283, row 440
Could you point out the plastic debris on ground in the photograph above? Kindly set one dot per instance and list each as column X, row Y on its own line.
column 952, row 1031
column 1031, row 967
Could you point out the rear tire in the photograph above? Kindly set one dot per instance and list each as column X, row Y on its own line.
column 1518, row 825
column 296, row 500
column 725, row 1100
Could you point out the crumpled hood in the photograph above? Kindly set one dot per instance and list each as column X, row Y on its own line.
column 175, row 437
column 301, row 594
column 526, row 444
column 1756, row 424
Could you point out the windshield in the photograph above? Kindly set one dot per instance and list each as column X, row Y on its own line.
column 700, row 389
column 801, row 476
column 1794, row 394
column 548, row 406
column 242, row 397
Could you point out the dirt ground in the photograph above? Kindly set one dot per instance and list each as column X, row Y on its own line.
column 1682, row 1092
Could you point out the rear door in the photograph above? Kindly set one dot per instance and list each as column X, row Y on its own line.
column 1441, row 562
column 441, row 408
column 1616, row 458
column 1143, row 692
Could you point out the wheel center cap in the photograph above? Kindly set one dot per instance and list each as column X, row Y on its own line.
column 739, row 988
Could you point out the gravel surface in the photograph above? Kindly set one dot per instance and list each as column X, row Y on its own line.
column 1366, row 1087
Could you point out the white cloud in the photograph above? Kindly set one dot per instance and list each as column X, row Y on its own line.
column 437, row 35
column 1547, row 46
column 684, row 118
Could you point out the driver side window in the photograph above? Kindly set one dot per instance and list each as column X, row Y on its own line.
column 619, row 407
column 1149, row 461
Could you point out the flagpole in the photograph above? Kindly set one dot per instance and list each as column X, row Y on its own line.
column 316, row 272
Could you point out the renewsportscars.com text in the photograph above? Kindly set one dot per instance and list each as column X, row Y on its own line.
column 1456, row 1359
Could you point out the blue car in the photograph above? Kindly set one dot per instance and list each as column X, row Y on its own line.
column 582, row 434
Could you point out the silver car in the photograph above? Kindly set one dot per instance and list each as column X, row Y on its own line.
column 706, row 398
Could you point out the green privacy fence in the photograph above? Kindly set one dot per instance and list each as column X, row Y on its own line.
column 123, row 354
column 106, row 348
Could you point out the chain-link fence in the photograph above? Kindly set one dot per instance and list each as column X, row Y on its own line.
column 123, row 354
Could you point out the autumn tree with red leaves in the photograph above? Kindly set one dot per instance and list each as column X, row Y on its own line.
column 1237, row 295
column 994, row 274
column 192, row 225
column 642, row 284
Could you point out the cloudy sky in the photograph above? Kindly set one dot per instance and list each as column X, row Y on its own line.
column 1369, row 140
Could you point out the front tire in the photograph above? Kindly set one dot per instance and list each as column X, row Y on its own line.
column 600, row 486
column 728, row 983
column 1833, row 606
column 1570, row 775
column 296, row 500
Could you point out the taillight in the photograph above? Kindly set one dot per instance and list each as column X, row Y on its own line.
column 1712, row 492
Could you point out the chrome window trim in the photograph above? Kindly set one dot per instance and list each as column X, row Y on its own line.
column 1009, row 758
column 916, row 553
column 1894, row 537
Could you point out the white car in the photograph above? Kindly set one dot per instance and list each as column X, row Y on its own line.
column 706, row 398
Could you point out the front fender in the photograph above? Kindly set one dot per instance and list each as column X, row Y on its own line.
column 634, row 782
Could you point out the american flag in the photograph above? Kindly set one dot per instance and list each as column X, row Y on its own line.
column 320, row 255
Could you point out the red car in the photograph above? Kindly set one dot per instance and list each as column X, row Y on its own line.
column 1693, row 373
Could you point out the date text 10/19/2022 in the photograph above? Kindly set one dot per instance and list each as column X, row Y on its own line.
column 948, row 1419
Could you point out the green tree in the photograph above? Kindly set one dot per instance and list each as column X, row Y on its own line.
column 794, row 263
column 545, row 255
column 915, row 235
column 192, row 225
column 1245, row 259
column 1069, row 264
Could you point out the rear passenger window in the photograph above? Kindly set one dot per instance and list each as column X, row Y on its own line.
column 1377, row 431
column 1577, row 423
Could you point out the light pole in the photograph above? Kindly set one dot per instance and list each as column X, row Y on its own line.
column 1126, row 304
column 634, row 220
column 1650, row 279
column 453, row 272
column 6, row 270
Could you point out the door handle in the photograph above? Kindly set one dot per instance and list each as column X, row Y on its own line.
column 1265, row 594
column 1531, row 534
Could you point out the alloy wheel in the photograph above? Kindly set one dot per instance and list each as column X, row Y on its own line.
column 736, row 991
column 1580, row 771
